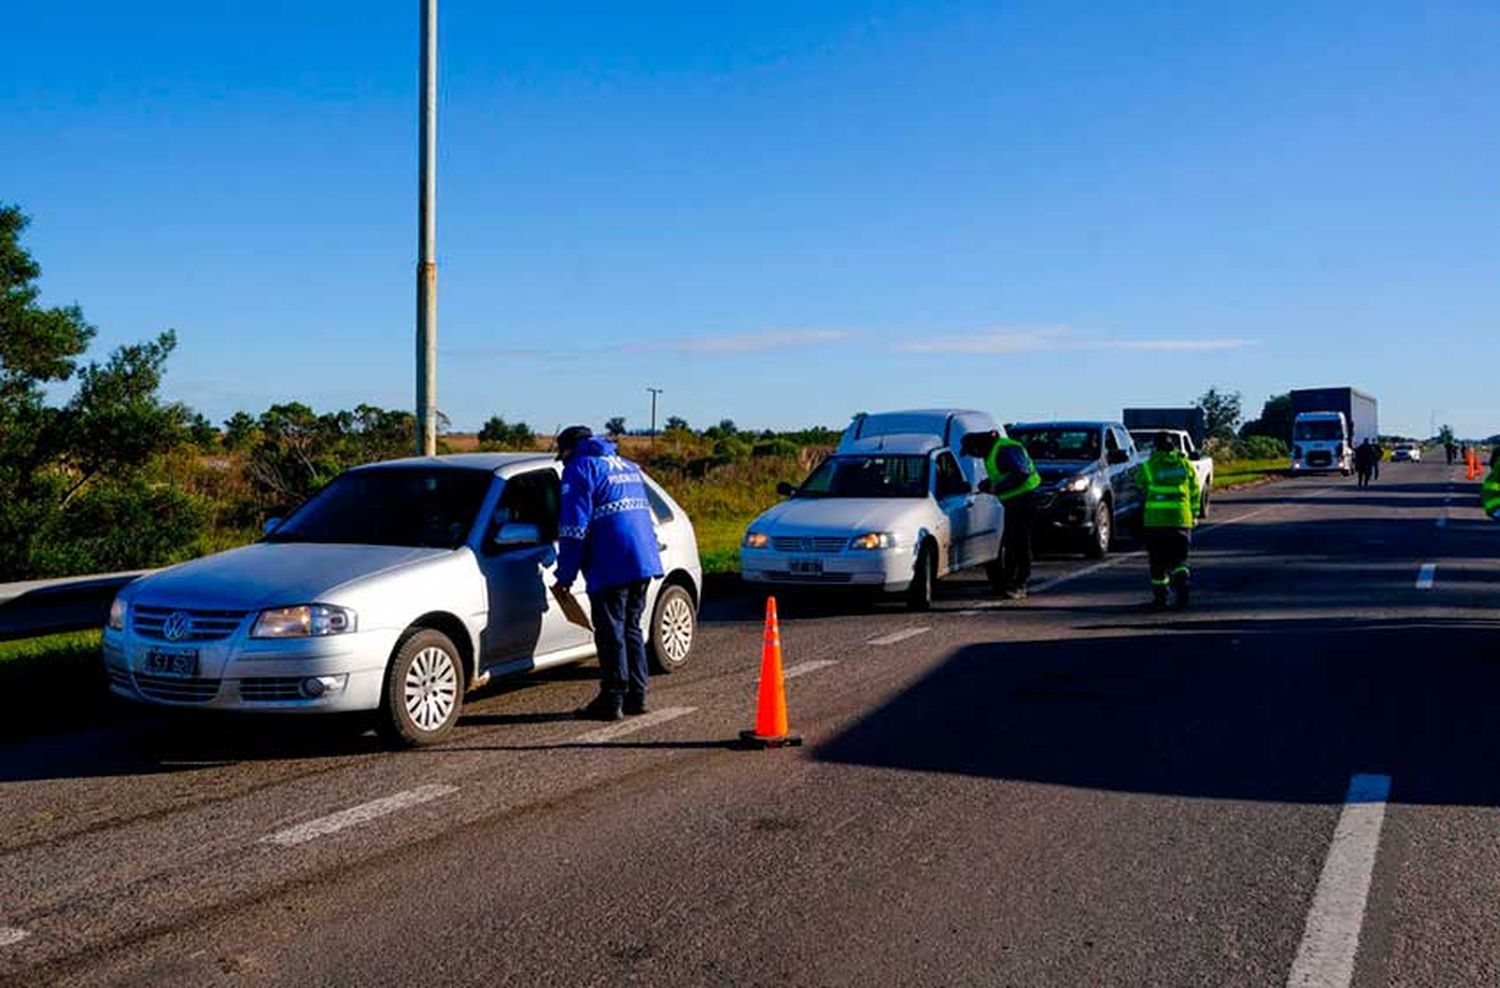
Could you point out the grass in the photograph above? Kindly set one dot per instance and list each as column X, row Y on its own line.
column 73, row 646
column 1237, row 473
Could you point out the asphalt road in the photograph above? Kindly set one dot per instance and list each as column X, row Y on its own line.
column 1293, row 783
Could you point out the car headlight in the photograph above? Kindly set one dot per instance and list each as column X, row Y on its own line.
column 1077, row 485
column 873, row 540
column 756, row 540
column 117, row 613
column 304, row 621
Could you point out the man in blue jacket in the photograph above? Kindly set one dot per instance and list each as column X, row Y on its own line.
column 607, row 531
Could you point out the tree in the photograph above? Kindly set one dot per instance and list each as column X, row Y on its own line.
column 500, row 434
column 240, row 431
column 1445, row 434
column 1221, row 409
column 615, row 427
column 675, row 422
column 1275, row 420
column 202, row 432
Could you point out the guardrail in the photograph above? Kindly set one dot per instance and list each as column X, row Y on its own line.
column 44, row 607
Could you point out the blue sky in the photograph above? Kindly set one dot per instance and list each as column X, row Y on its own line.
column 779, row 212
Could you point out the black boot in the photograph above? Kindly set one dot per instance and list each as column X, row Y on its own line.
column 635, row 705
column 602, row 707
column 1180, row 590
column 1159, row 598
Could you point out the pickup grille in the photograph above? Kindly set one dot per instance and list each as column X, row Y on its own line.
column 207, row 626
column 804, row 543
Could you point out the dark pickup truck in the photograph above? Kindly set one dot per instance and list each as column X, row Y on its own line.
column 1090, row 482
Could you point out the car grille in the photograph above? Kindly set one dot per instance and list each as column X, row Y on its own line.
column 179, row 690
column 269, row 689
column 207, row 626
column 803, row 543
column 776, row 577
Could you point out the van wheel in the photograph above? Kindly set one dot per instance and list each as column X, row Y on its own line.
column 674, row 626
column 423, row 691
column 1104, row 531
column 919, row 596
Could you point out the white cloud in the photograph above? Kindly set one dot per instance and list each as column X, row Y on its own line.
column 740, row 343
column 1055, row 339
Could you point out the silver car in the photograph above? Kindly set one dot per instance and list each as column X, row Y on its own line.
column 395, row 589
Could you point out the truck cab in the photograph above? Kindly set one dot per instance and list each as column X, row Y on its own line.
column 1321, row 443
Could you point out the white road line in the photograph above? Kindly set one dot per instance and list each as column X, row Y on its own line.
column 11, row 935
column 1330, row 940
column 632, row 724
column 812, row 665
column 896, row 637
column 355, row 815
column 1426, row 576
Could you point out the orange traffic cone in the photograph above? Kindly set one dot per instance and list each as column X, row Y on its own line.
column 1473, row 464
column 770, row 710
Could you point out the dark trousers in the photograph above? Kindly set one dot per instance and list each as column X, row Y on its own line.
column 620, row 639
column 1015, row 544
column 1363, row 473
column 1167, row 549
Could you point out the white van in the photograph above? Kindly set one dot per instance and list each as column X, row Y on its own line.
column 896, row 507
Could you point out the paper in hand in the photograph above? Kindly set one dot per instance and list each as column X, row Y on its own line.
column 572, row 609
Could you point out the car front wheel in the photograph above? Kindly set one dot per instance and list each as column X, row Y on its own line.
column 919, row 595
column 674, row 626
column 423, row 691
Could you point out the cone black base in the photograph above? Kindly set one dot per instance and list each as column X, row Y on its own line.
column 750, row 739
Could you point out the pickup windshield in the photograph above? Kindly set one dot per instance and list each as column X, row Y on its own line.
column 1318, row 430
column 868, row 476
column 421, row 507
column 1046, row 444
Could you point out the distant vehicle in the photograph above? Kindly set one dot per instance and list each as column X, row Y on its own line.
column 1203, row 464
column 1407, row 453
column 1090, row 481
column 895, row 508
column 395, row 589
column 1327, row 423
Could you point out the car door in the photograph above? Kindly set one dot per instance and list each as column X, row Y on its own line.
column 955, row 499
column 1124, row 476
column 524, row 621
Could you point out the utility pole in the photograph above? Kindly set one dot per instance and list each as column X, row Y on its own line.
column 654, row 393
column 427, row 240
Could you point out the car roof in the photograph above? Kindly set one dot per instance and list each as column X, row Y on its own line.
column 1069, row 424
column 488, row 462
column 905, row 443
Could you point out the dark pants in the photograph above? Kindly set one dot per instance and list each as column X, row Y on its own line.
column 1015, row 546
column 1167, row 549
column 620, row 639
column 1363, row 473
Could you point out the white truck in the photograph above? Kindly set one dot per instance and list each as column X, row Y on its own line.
column 1327, row 424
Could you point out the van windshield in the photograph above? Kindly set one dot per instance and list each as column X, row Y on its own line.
column 868, row 476
column 1047, row 443
column 1317, row 430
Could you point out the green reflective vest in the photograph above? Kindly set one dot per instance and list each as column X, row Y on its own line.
column 1489, row 494
column 1010, row 470
column 1171, row 491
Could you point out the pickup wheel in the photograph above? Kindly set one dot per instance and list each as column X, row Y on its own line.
column 919, row 596
column 423, row 691
column 1104, row 531
column 1203, row 501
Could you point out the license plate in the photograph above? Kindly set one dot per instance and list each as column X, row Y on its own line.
column 181, row 663
column 806, row 567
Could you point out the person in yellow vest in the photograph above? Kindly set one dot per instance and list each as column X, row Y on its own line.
column 1013, row 480
column 1489, row 492
column 1171, row 510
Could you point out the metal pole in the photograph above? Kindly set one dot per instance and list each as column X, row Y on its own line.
column 427, row 240
column 654, row 393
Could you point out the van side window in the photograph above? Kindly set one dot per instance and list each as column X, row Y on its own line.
column 950, row 479
column 533, row 498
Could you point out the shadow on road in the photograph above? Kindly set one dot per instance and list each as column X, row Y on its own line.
column 1264, row 710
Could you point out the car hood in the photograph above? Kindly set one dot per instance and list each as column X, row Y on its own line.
column 808, row 516
column 1054, row 470
column 273, row 574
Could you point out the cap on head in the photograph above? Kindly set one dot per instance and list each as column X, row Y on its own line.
column 569, row 438
column 1163, row 442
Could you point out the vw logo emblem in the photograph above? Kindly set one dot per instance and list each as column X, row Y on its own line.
column 177, row 626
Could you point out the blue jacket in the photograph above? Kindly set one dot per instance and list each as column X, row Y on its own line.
column 606, row 527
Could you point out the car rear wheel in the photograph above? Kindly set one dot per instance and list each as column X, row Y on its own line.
column 1104, row 531
column 423, row 691
column 674, row 626
column 919, row 595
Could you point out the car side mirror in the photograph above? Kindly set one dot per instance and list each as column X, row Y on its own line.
column 1118, row 456
column 785, row 489
column 517, row 533
column 271, row 525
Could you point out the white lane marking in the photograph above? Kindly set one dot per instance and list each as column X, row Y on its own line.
column 1331, row 938
column 11, row 935
column 896, row 637
column 812, row 665
column 632, row 724
column 355, row 815
column 1426, row 576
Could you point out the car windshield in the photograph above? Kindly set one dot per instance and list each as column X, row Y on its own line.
column 1046, row 443
column 1318, row 429
column 417, row 506
column 868, row 476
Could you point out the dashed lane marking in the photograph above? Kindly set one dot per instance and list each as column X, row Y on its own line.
column 1426, row 576
column 10, row 935
column 812, row 665
column 356, row 815
column 632, row 724
column 896, row 637
column 1330, row 940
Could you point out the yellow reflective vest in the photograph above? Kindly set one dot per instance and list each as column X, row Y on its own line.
column 1489, row 494
column 1171, row 491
